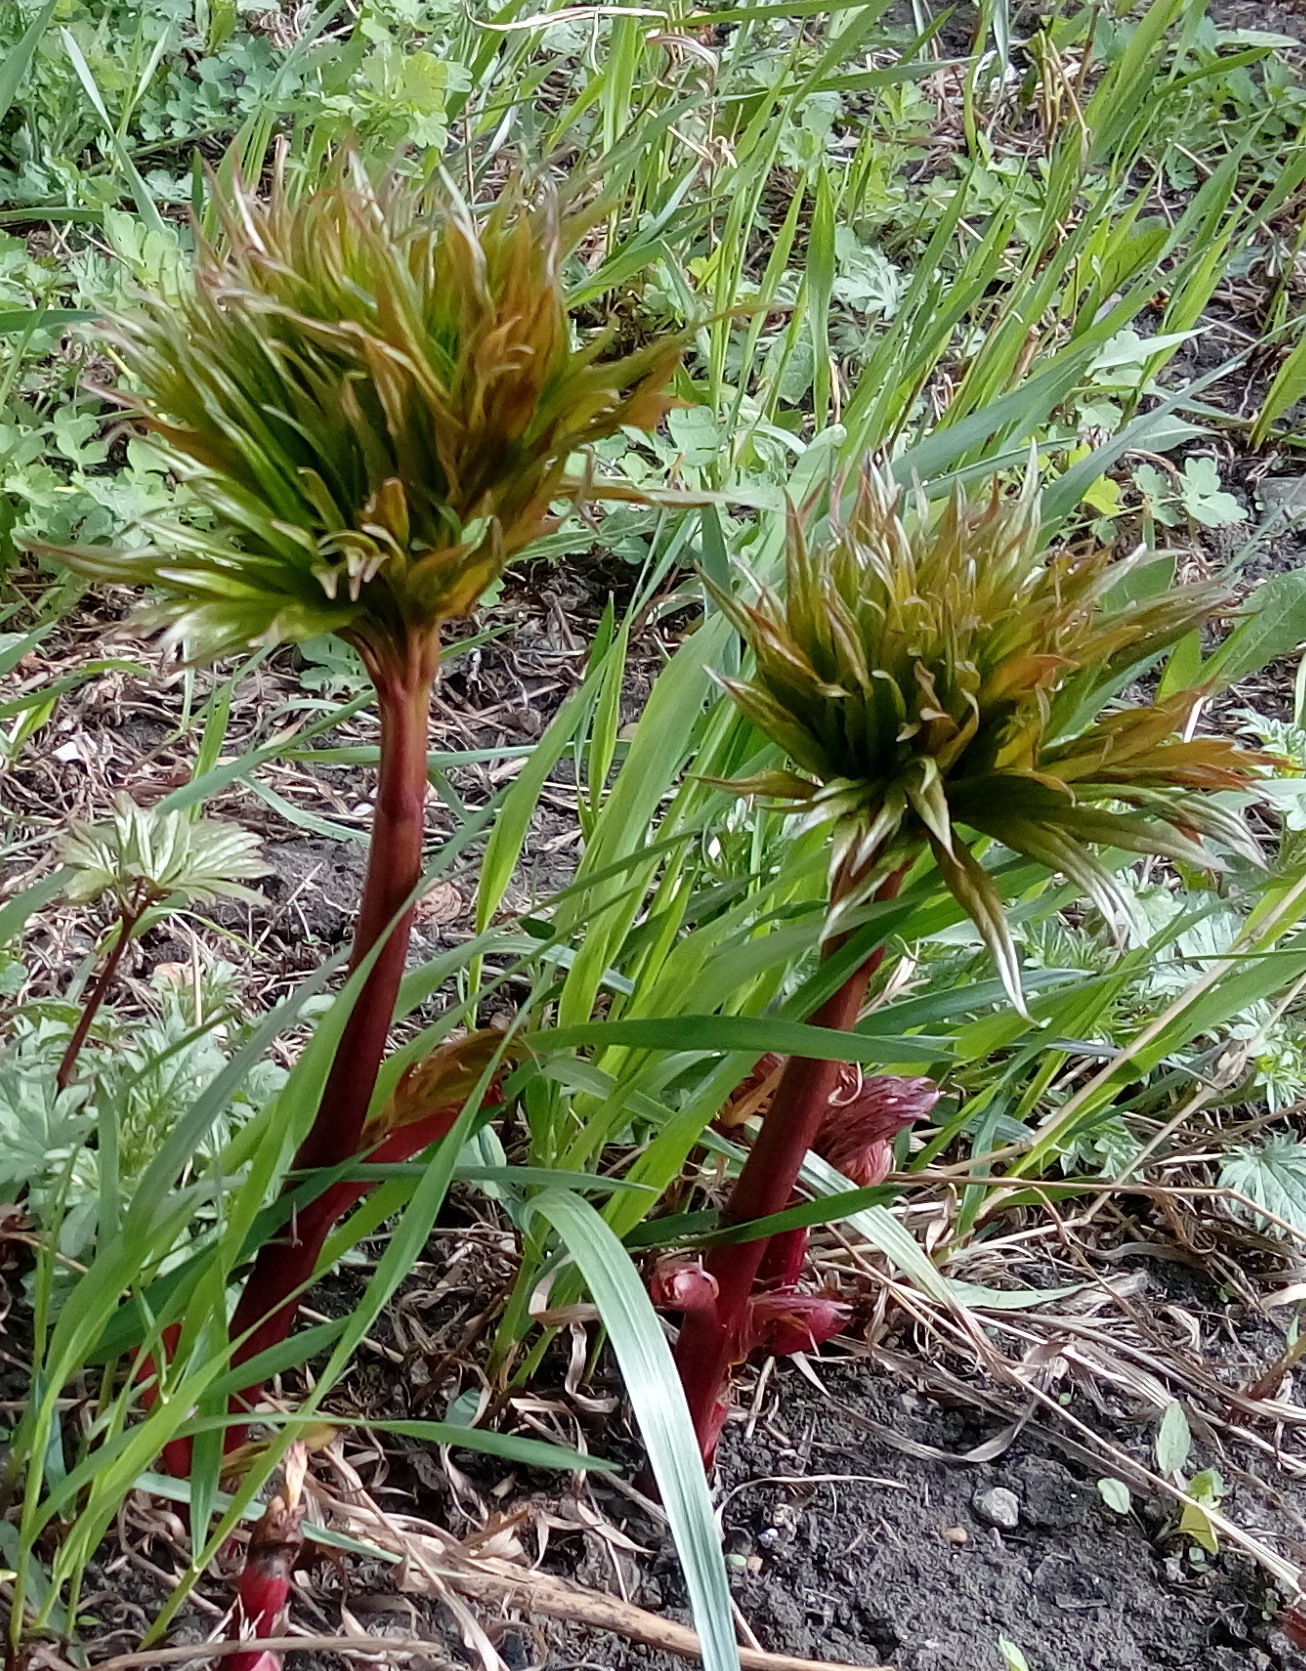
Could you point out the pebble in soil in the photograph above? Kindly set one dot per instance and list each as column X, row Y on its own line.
column 898, row 1561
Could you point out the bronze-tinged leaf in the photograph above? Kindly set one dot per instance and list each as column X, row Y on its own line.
column 1022, row 675
column 930, row 670
column 444, row 1079
column 776, row 721
column 372, row 389
column 1053, row 846
column 1134, row 834
column 776, row 786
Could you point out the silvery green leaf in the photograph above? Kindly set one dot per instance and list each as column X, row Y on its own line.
column 141, row 854
column 1174, row 1439
column 1272, row 1175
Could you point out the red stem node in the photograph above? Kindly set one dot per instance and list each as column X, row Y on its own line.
column 264, row 1587
column 129, row 917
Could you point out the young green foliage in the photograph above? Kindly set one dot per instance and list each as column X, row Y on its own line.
column 946, row 677
column 141, row 851
column 926, row 683
column 374, row 392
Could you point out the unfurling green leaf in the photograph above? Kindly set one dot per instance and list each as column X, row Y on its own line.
column 374, row 394
column 142, row 854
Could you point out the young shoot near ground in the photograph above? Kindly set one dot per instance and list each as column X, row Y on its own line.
column 937, row 684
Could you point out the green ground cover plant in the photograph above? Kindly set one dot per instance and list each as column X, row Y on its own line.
column 367, row 363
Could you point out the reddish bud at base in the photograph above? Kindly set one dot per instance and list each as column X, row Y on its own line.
column 865, row 1115
column 781, row 1324
column 678, row 1284
column 264, row 1587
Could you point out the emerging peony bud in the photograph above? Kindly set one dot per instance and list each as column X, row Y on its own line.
column 264, row 1587
column 752, row 1095
column 441, row 1081
column 862, row 1121
column 784, row 1323
column 679, row 1284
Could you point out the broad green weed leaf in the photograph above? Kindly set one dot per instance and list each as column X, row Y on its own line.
column 1272, row 623
column 1173, row 1439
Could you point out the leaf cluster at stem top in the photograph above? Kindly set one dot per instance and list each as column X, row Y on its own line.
column 954, row 672
column 374, row 392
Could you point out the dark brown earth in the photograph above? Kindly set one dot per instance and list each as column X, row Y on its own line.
column 859, row 1562
column 855, row 1495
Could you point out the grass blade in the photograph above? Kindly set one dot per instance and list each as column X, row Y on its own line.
column 15, row 67
column 654, row 1391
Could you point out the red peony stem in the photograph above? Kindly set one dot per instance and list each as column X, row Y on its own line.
column 712, row 1339
column 177, row 1452
column 269, row 1301
column 289, row 1261
column 394, row 869
column 128, row 919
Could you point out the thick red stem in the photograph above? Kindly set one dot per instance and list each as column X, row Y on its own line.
column 782, row 1263
column 710, row 1338
column 270, row 1300
column 394, row 869
column 292, row 1257
column 177, row 1452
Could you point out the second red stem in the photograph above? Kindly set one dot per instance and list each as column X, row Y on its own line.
column 710, row 1337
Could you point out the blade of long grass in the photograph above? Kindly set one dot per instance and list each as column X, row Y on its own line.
column 19, row 60
column 653, row 1388
column 146, row 206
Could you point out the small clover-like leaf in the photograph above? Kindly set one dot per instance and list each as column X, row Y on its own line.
column 1203, row 497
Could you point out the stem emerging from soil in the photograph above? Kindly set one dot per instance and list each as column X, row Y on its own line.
column 264, row 1586
column 128, row 918
column 712, row 1336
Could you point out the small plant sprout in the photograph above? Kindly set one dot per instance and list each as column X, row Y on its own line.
column 263, row 1590
column 937, row 685
column 140, row 858
column 374, row 395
